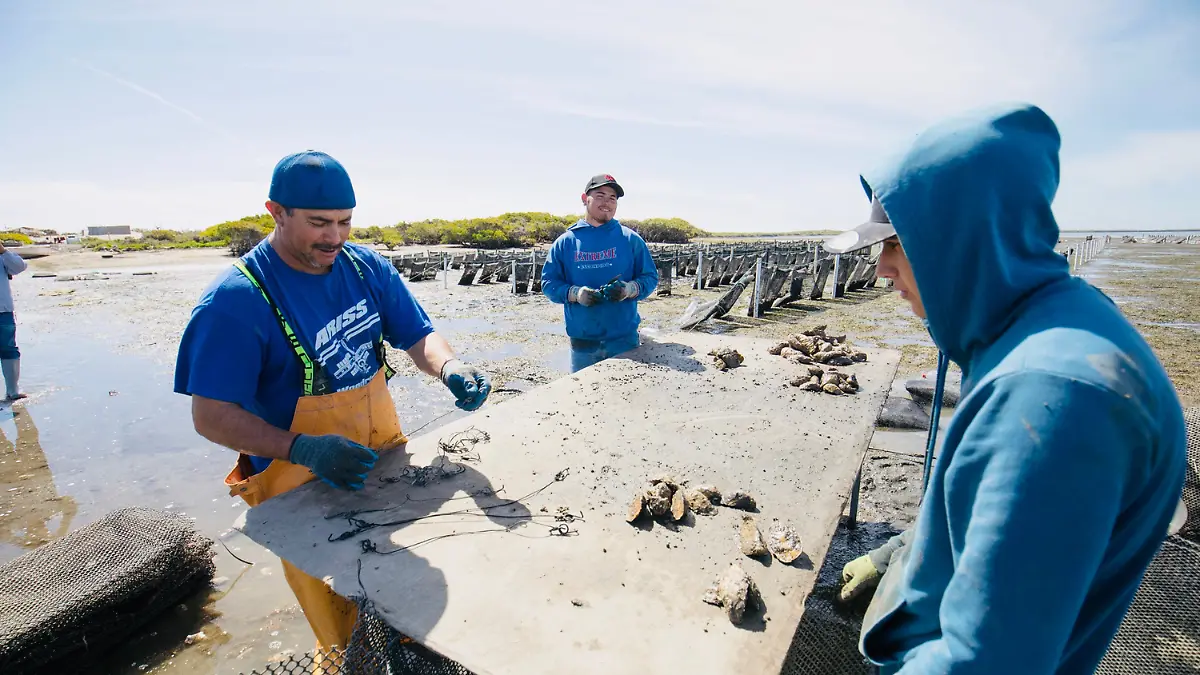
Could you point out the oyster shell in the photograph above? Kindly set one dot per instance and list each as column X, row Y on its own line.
column 784, row 543
column 739, row 500
column 750, row 539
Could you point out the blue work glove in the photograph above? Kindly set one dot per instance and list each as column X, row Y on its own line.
column 617, row 290
column 335, row 459
column 469, row 384
column 585, row 296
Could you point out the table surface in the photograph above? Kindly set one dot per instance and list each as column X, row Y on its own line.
column 504, row 594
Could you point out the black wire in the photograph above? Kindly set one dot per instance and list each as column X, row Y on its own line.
column 234, row 555
column 361, row 525
column 368, row 546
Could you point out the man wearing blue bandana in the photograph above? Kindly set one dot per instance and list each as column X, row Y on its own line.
column 599, row 270
column 284, row 359
column 1065, row 459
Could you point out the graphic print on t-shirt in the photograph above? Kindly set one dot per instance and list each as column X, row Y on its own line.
column 345, row 348
column 587, row 260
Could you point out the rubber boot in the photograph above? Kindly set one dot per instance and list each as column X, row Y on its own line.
column 12, row 373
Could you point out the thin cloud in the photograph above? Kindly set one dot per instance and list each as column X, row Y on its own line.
column 141, row 90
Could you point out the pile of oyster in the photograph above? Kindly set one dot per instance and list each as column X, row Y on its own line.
column 830, row 381
column 815, row 346
column 822, row 354
column 669, row 497
column 725, row 358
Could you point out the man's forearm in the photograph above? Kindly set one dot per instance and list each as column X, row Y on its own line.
column 232, row 426
column 430, row 354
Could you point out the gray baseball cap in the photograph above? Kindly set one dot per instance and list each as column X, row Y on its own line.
column 877, row 228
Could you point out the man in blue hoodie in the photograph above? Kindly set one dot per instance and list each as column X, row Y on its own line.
column 1065, row 459
column 599, row 270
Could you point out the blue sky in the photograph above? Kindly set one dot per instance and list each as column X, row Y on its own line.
column 754, row 118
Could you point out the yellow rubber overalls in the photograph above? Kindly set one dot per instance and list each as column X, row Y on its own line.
column 364, row 415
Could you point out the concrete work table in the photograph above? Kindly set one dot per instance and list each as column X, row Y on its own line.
column 611, row 597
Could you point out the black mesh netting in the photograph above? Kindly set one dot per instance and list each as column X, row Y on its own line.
column 826, row 641
column 77, row 596
column 1161, row 632
column 375, row 649
column 1191, row 486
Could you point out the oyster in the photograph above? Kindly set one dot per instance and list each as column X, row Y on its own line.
column 713, row 494
column 784, row 543
column 679, row 506
column 735, row 591
column 739, row 500
column 698, row 503
column 750, row 539
column 637, row 508
column 725, row 358
column 658, row 500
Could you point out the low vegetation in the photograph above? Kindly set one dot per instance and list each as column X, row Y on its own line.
column 238, row 235
column 10, row 238
column 771, row 235
column 510, row 230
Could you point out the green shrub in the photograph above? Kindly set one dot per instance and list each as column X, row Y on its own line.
column 223, row 231
column 164, row 235
column 10, row 238
column 664, row 230
column 243, row 238
column 373, row 233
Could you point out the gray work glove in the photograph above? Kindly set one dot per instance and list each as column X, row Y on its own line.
column 335, row 459
column 469, row 384
column 585, row 296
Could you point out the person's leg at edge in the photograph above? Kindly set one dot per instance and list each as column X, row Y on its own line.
column 10, row 357
column 583, row 356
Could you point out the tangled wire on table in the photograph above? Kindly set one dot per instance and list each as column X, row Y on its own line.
column 462, row 443
column 360, row 525
column 420, row 476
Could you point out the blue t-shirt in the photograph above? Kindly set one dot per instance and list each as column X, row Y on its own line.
column 234, row 349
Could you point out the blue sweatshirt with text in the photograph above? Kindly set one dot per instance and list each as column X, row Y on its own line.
column 586, row 255
column 1065, row 458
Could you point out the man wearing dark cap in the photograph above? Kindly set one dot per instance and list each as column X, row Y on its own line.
column 1064, row 461
column 284, row 359
column 599, row 270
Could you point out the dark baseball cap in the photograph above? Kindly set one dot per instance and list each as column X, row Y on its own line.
column 311, row 180
column 877, row 228
column 601, row 180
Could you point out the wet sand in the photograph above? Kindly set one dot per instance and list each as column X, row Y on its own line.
column 103, row 430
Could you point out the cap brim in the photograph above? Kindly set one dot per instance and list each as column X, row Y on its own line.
column 612, row 184
column 863, row 236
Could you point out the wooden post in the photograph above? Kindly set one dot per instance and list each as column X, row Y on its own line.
column 758, row 272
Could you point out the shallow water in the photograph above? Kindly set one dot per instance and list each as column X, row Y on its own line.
column 102, row 430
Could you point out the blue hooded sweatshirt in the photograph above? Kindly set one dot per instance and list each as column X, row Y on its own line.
column 591, row 256
column 1066, row 456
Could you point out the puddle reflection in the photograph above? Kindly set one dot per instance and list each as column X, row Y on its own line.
column 32, row 512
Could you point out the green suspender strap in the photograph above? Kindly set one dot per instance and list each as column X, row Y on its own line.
column 306, row 362
column 312, row 368
column 380, row 352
